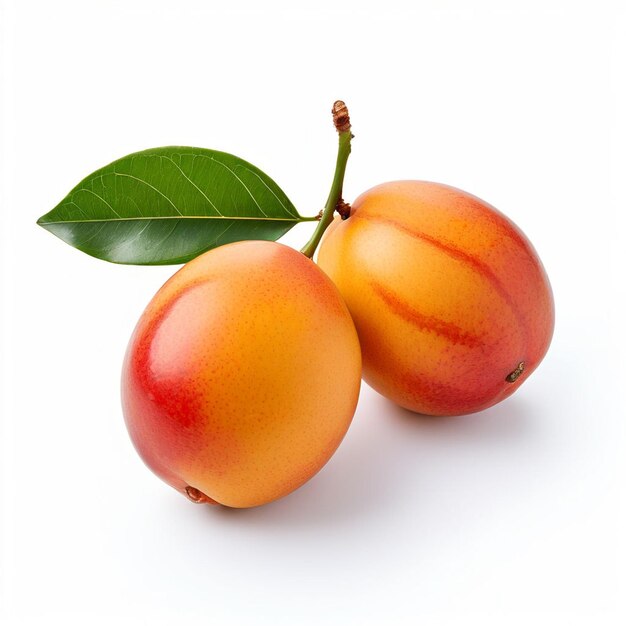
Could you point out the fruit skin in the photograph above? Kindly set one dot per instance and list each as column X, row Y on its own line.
column 447, row 294
column 242, row 375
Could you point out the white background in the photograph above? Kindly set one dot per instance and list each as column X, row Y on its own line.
column 512, row 516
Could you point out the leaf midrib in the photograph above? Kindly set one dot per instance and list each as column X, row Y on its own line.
column 182, row 217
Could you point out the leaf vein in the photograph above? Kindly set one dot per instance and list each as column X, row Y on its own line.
column 241, row 181
column 145, row 182
column 287, row 210
column 99, row 198
column 194, row 184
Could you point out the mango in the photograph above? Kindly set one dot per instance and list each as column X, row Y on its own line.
column 452, row 305
column 242, row 375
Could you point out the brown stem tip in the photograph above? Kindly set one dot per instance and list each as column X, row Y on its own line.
column 195, row 495
column 343, row 208
column 516, row 373
column 341, row 117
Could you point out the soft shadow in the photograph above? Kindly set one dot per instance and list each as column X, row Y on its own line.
column 510, row 419
column 353, row 484
column 385, row 449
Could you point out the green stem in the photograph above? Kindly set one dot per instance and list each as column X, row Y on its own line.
column 334, row 196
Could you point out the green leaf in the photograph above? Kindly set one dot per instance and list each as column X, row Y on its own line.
column 168, row 205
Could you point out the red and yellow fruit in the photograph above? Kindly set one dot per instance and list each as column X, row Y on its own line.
column 452, row 305
column 231, row 380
